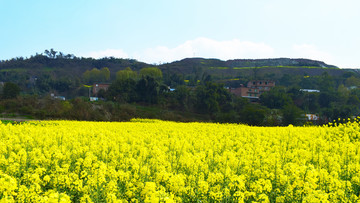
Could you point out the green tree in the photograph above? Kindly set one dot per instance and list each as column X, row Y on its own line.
column 105, row 74
column 290, row 80
column 341, row 111
column 44, row 83
column 148, row 89
column 61, row 85
column 212, row 98
column 297, row 96
column 352, row 81
column 174, row 80
column 343, row 93
column 96, row 75
column 92, row 76
column 253, row 114
column 292, row 115
column 311, row 102
column 276, row 98
column 10, row 90
column 206, row 100
column 125, row 74
column 353, row 100
column 182, row 97
column 51, row 53
column 326, row 82
column 308, row 82
column 153, row 72
column 326, row 98
column 123, row 91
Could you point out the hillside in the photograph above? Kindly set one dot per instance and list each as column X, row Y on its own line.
column 250, row 68
column 60, row 66
column 241, row 63
column 242, row 66
column 71, row 68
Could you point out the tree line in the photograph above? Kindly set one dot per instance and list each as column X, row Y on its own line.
column 148, row 91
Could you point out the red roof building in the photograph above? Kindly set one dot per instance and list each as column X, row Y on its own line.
column 254, row 88
column 97, row 87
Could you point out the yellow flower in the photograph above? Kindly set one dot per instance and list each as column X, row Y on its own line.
column 157, row 161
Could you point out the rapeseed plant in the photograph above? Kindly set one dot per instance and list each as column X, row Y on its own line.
column 158, row 161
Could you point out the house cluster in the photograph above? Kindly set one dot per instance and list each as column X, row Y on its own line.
column 254, row 89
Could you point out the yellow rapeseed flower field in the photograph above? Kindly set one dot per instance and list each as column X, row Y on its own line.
column 158, row 161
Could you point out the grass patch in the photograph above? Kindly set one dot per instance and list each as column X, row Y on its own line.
column 219, row 68
column 154, row 112
column 9, row 122
column 308, row 67
column 16, row 70
column 48, row 69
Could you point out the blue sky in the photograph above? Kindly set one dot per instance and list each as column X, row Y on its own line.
column 161, row 31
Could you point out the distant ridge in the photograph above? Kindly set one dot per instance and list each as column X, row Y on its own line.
column 278, row 62
column 60, row 66
column 255, row 62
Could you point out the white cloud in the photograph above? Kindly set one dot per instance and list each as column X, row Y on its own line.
column 199, row 47
column 224, row 50
column 207, row 48
column 117, row 53
column 311, row 52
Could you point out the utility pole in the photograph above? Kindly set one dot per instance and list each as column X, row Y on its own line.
column 88, row 86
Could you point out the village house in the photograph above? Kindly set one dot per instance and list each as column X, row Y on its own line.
column 254, row 88
column 97, row 87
